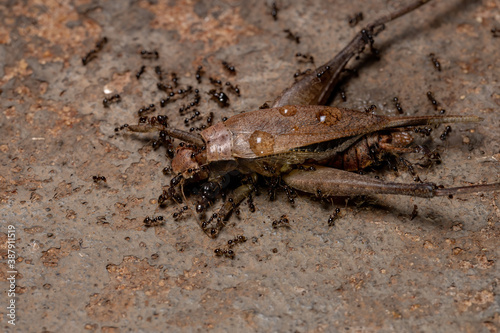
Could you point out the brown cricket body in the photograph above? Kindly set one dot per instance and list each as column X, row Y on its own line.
column 284, row 136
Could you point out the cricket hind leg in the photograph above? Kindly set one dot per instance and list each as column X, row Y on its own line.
column 335, row 182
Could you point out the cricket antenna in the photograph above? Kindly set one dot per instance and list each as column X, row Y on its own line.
column 193, row 138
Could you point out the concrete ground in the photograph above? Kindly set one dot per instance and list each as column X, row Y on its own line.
column 86, row 262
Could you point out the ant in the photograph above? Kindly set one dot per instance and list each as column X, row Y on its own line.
column 414, row 213
column 274, row 11
column 343, row 95
column 228, row 252
column 113, row 99
column 305, row 58
column 148, row 109
column 398, row 106
column 153, row 221
column 333, row 217
column 435, row 61
column 233, row 89
column 355, row 19
column 159, row 72
column 447, row 131
column 292, row 36
column 434, row 102
column 140, row 72
column 220, row 97
column 93, row 53
column 98, row 179
column 283, row 222
column 150, row 54
column 230, row 68
column 199, row 73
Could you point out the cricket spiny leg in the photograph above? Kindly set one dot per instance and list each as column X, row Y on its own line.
column 217, row 221
column 335, row 182
column 316, row 87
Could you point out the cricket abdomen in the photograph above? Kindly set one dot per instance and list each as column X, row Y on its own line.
column 370, row 150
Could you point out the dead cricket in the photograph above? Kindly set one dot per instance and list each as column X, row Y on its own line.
column 302, row 144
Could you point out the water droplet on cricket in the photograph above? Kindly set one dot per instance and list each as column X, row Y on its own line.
column 329, row 116
column 288, row 110
column 261, row 143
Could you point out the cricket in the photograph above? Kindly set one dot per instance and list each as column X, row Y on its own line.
column 301, row 144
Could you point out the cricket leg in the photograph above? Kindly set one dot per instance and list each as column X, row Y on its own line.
column 316, row 87
column 335, row 182
column 217, row 221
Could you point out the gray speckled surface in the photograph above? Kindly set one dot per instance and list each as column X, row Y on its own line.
column 86, row 263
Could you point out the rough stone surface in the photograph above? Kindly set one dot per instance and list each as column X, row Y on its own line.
column 87, row 263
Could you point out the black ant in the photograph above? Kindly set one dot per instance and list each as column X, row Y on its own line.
column 113, row 99
column 98, row 179
column 414, row 213
column 233, row 89
column 220, row 97
column 251, row 205
column 230, row 68
column 320, row 74
column 174, row 79
column 426, row 131
column 305, row 58
column 371, row 109
column 150, row 54
column 181, row 93
column 434, row 102
column 199, row 73
column 148, row 109
column 292, row 36
column 274, row 11
column 210, row 118
column 228, row 252
column 447, row 131
column 215, row 82
column 140, row 72
column 283, row 222
column 153, row 221
column 179, row 214
column 299, row 73
column 195, row 115
column 398, row 106
column 435, row 61
column 333, row 217
column 409, row 166
column 93, row 53
column 495, row 32
column 354, row 20
column 342, row 95
column 237, row 240
column 368, row 38
column 117, row 129
column 159, row 72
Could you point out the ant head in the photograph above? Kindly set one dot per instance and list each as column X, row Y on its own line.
column 188, row 162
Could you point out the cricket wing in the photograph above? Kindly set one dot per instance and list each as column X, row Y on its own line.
column 278, row 130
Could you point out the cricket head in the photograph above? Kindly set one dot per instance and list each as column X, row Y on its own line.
column 189, row 162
